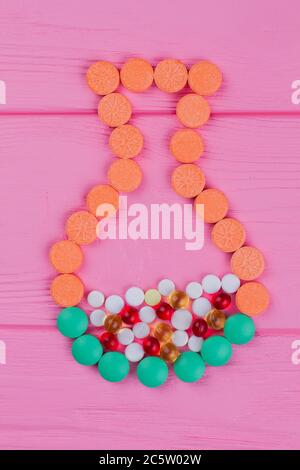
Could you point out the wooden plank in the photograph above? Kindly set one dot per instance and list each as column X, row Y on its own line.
column 44, row 52
column 50, row 163
column 49, row 401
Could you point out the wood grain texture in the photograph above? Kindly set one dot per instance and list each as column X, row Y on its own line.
column 45, row 50
column 60, row 404
column 46, row 177
column 53, row 149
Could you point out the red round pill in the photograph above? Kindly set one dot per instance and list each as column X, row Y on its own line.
column 199, row 327
column 164, row 311
column 109, row 341
column 151, row 346
column 221, row 300
column 129, row 315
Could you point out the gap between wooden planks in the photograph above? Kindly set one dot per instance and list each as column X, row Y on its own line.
column 147, row 112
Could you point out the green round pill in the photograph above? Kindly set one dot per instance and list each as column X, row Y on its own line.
column 87, row 350
column 239, row 329
column 216, row 351
column 72, row 322
column 189, row 367
column 152, row 371
column 113, row 366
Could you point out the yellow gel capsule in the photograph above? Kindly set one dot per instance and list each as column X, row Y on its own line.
column 163, row 332
column 169, row 352
column 152, row 297
column 178, row 299
column 215, row 319
column 113, row 323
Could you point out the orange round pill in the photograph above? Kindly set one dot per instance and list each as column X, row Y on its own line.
column 170, row 75
column 204, row 78
column 67, row 290
column 81, row 227
column 247, row 263
column 228, row 235
column 186, row 145
column 215, row 205
column 188, row 180
column 252, row 298
column 100, row 196
column 126, row 141
column 103, row 77
column 65, row 256
column 114, row 109
column 193, row 110
column 125, row 175
column 137, row 75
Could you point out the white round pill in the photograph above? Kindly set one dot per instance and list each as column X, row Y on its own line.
column 166, row 286
column 141, row 330
column 201, row 306
column 95, row 298
column 114, row 303
column 125, row 336
column 97, row 317
column 134, row 296
column 147, row 314
column 211, row 284
column 134, row 352
column 230, row 283
column 181, row 319
column 180, row 338
column 195, row 343
column 194, row 290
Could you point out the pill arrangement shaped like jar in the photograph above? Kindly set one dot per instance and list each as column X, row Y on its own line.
column 163, row 326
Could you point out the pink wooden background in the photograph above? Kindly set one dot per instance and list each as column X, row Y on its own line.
column 53, row 149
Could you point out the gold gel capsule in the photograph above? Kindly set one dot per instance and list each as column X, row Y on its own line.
column 163, row 332
column 178, row 299
column 113, row 323
column 169, row 352
column 216, row 319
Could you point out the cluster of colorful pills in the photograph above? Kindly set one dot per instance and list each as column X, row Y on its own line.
column 177, row 329
column 160, row 321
